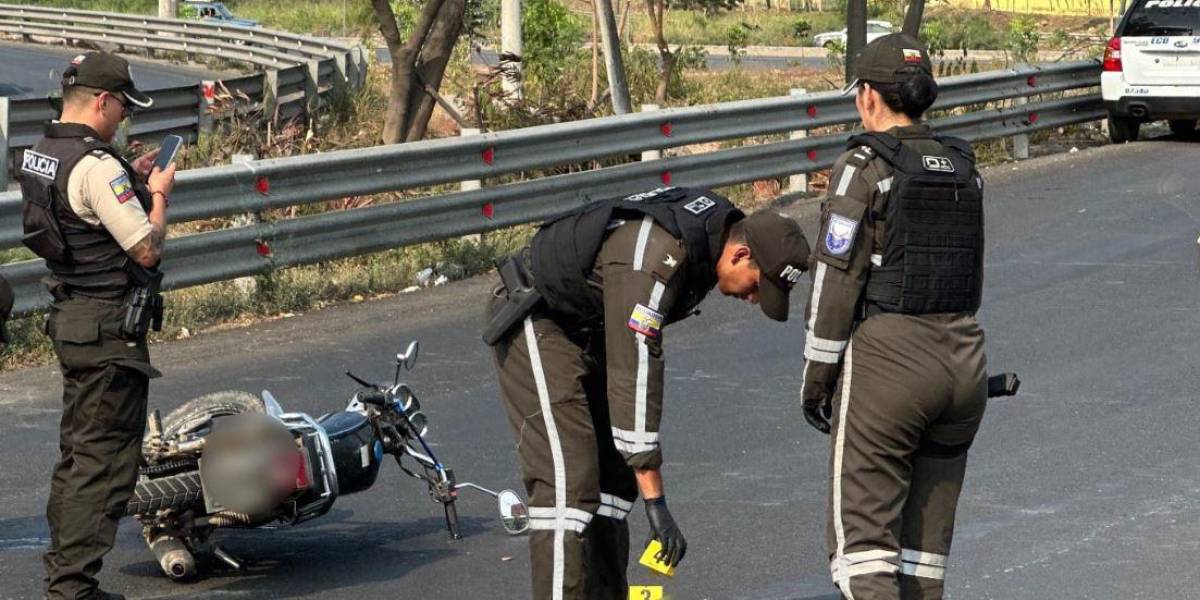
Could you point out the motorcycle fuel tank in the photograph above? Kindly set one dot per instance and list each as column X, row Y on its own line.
column 356, row 451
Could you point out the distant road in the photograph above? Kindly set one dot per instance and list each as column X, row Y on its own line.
column 30, row 70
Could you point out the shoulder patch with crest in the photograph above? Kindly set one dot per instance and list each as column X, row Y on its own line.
column 646, row 321
column 839, row 237
column 122, row 188
column 699, row 205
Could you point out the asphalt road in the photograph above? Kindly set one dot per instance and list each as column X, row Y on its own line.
column 1085, row 486
column 33, row 70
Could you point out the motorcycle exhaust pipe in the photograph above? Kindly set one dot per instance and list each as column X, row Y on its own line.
column 174, row 557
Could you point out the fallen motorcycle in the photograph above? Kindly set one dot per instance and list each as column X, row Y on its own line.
column 234, row 460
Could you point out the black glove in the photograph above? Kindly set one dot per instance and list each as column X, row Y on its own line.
column 817, row 411
column 664, row 529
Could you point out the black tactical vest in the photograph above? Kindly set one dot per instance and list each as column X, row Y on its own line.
column 86, row 258
column 932, row 260
column 564, row 250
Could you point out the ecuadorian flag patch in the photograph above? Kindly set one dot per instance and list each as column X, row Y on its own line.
column 646, row 321
column 122, row 188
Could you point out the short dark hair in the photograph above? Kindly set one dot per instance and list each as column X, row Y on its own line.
column 736, row 232
column 913, row 96
column 74, row 94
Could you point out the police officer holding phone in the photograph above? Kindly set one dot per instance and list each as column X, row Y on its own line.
column 99, row 222
column 894, row 357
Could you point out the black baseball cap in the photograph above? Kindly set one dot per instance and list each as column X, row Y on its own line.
column 108, row 72
column 781, row 251
column 888, row 59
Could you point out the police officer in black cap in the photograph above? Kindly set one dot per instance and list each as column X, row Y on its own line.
column 894, row 356
column 99, row 222
column 577, row 329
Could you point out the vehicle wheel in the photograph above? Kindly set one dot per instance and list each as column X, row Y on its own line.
column 1121, row 130
column 1183, row 127
column 197, row 412
column 176, row 492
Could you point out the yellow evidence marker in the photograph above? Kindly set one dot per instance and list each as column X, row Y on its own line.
column 645, row 592
column 648, row 559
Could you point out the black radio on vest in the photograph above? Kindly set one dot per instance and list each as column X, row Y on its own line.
column 83, row 257
column 932, row 259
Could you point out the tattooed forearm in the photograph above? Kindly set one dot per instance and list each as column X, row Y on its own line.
column 148, row 252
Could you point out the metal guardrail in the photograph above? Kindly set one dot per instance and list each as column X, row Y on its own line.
column 295, row 70
column 260, row 185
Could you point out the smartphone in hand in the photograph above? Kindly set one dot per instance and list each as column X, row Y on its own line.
column 167, row 151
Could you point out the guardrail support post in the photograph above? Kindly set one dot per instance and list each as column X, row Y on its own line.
column 204, row 116
column 1020, row 149
column 4, row 154
column 799, row 181
column 312, row 89
column 270, row 91
column 650, row 154
column 471, row 184
column 246, row 285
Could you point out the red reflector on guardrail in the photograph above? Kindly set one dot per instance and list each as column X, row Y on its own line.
column 489, row 155
column 209, row 91
column 1032, row 118
column 666, row 177
column 1032, row 81
column 666, row 129
column 812, row 155
column 263, row 248
column 812, row 110
column 262, row 185
column 489, row 210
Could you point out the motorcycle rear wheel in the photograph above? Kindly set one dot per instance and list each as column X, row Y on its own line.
column 194, row 413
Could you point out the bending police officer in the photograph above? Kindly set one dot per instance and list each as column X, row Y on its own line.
column 99, row 222
column 893, row 353
column 577, row 330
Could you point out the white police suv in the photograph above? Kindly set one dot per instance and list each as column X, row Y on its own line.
column 1152, row 68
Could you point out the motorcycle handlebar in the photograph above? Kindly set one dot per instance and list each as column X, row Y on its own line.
column 376, row 397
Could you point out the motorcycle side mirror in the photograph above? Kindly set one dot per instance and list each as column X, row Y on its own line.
column 514, row 515
column 408, row 358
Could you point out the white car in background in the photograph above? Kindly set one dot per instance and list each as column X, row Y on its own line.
column 874, row 29
column 1152, row 68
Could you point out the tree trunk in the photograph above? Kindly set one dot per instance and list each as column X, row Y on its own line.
column 404, row 56
column 656, row 10
column 431, row 66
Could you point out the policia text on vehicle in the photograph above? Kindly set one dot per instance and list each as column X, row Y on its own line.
column 577, row 328
column 99, row 222
column 894, row 357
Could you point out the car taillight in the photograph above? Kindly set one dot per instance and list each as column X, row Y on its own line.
column 1112, row 55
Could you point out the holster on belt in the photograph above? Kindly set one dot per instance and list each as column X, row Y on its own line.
column 143, row 304
column 520, row 296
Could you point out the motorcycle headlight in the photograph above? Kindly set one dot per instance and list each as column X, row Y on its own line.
column 406, row 399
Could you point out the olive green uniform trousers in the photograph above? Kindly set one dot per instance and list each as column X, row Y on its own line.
column 105, row 384
column 910, row 400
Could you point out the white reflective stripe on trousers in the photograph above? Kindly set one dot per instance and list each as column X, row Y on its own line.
column 852, row 564
column 839, row 444
column 560, row 524
column 923, row 564
column 547, row 518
